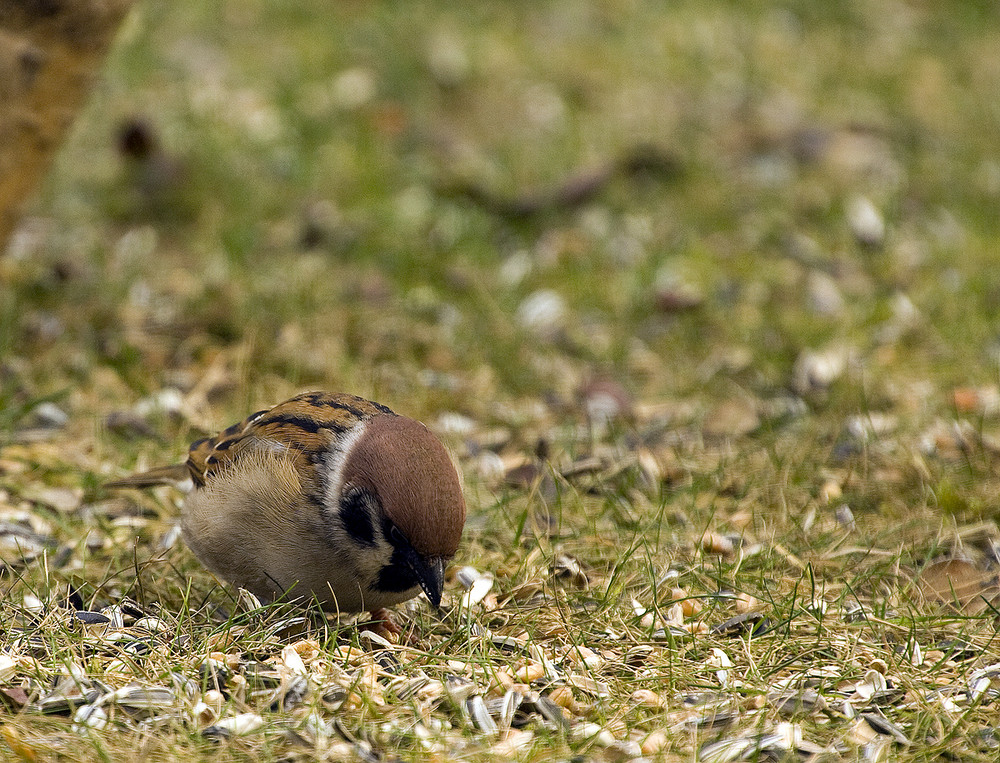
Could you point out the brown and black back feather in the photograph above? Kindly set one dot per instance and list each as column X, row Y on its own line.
column 303, row 426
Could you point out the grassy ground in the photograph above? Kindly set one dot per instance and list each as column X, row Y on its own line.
column 795, row 311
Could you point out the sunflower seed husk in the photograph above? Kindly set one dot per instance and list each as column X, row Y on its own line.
column 548, row 709
column 754, row 623
column 142, row 699
column 884, row 726
column 92, row 618
column 794, row 703
column 375, row 640
column 90, row 716
column 408, row 687
column 8, row 666
column 588, row 684
column 508, row 708
column 467, row 576
column 459, row 689
column 594, row 732
column 284, row 629
column 151, row 624
column 292, row 693
column 476, row 708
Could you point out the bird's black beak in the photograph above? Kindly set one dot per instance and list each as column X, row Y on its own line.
column 430, row 575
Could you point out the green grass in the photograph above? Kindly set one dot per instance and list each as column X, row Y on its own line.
column 310, row 242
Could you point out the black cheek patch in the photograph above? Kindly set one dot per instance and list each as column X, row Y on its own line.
column 395, row 577
column 357, row 521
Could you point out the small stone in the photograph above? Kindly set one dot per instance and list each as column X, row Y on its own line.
column 845, row 518
column 447, row 59
column 824, row 294
column 48, row 415
column 63, row 499
column 543, row 313
column 354, row 88
column 865, row 222
column 816, row 370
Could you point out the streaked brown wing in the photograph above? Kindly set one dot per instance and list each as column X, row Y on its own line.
column 305, row 425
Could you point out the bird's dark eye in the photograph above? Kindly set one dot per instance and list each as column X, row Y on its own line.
column 397, row 538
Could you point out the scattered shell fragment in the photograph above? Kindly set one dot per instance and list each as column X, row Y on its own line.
column 509, row 705
column 845, row 517
column 872, row 683
column 797, row 702
column 784, row 738
column 142, row 699
column 234, row 725
column 8, row 666
column 588, row 685
column 479, row 589
column 592, row 732
column 548, row 709
column 984, row 681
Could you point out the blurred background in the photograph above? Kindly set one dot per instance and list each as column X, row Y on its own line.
column 733, row 218
column 701, row 294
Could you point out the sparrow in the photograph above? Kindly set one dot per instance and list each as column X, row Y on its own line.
column 326, row 497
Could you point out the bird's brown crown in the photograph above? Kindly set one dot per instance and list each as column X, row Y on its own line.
column 407, row 467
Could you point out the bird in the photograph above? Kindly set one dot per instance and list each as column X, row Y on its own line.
column 326, row 497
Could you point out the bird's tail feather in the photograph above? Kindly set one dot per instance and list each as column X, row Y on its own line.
column 176, row 475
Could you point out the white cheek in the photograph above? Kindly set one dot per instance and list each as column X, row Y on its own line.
column 334, row 462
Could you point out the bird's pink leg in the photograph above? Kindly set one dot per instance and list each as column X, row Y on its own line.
column 384, row 625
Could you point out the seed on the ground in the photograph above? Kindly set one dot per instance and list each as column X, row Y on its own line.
column 530, row 671
column 654, row 742
column 647, row 698
column 714, row 543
